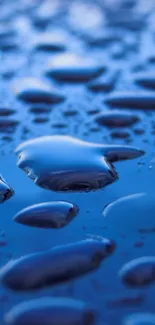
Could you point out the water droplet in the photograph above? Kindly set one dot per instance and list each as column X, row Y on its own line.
column 59, row 264
column 131, row 213
column 6, row 30
column 138, row 131
column 36, row 91
column 120, row 134
column 116, row 118
column 40, row 109
column 70, row 112
column 8, row 44
column 70, row 68
column 59, row 125
column 8, row 125
column 50, row 42
column 6, row 111
column 47, row 215
column 136, row 100
column 51, row 311
column 7, row 138
column 40, row 120
column 138, row 272
column 145, row 79
column 5, row 190
column 50, row 167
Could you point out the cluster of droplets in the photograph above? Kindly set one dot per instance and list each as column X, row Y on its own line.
column 47, row 160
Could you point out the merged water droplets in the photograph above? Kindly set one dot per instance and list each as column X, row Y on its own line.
column 36, row 91
column 63, row 163
column 138, row 272
column 101, row 51
column 47, row 215
column 59, row 264
column 52, row 311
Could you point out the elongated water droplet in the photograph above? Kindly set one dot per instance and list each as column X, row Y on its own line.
column 47, row 215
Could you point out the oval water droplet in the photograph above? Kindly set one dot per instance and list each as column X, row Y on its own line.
column 61, row 263
column 131, row 214
column 135, row 100
column 40, row 109
column 145, row 79
column 116, row 118
column 40, row 120
column 70, row 68
column 120, row 134
column 8, row 44
column 51, row 311
column 138, row 272
column 36, row 91
column 47, row 215
column 6, row 111
column 8, row 125
column 49, row 42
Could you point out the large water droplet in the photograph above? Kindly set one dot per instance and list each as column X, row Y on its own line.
column 47, row 215
column 59, row 264
column 63, row 163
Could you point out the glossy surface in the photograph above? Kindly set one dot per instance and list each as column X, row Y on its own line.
column 60, row 264
column 138, row 272
column 52, row 311
column 117, row 35
column 62, row 163
column 47, row 215
column 6, row 192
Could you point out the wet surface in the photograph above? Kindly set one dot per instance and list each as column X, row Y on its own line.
column 59, row 85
